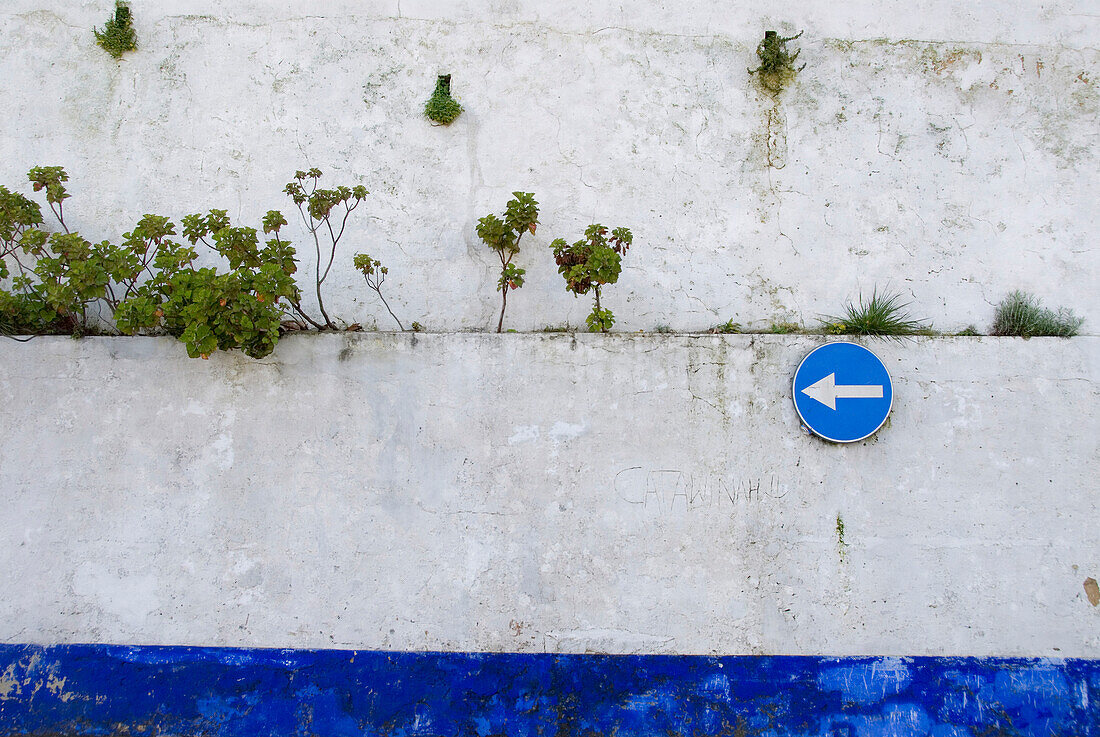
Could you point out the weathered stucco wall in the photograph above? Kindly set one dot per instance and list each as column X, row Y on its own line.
column 945, row 151
column 556, row 493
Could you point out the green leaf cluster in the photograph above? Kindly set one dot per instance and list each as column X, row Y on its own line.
column 776, row 62
column 117, row 36
column 206, row 308
column 590, row 263
column 149, row 282
column 55, row 277
column 441, row 108
column 521, row 216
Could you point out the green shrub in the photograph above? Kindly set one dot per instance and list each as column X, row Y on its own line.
column 206, row 309
column 1023, row 315
column 521, row 215
column 117, row 36
column 776, row 62
column 441, row 108
column 58, row 277
column 590, row 263
column 882, row 314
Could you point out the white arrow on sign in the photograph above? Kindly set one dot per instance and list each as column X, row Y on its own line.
column 827, row 391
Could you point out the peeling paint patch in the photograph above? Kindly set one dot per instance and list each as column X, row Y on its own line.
column 104, row 689
column 1092, row 590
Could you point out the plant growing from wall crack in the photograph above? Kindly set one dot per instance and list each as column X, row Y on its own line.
column 503, row 236
column 591, row 263
column 882, row 315
column 777, row 67
column 117, row 36
column 441, row 108
column 1023, row 315
column 375, row 273
column 210, row 310
column 325, row 214
column 59, row 276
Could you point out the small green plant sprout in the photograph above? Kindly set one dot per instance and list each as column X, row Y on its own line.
column 784, row 328
column 117, row 36
column 521, row 215
column 590, row 263
column 662, row 329
column 881, row 315
column 729, row 327
column 968, row 332
column 325, row 214
column 441, row 108
column 1023, row 315
column 375, row 273
column 417, row 327
column 776, row 62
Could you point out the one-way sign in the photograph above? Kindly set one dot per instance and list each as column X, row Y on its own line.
column 842, row 392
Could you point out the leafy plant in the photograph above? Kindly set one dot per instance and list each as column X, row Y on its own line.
column 375, row 273
column 590, row 263
column 441, row 108
column 117, row 36
column 59, row 276
column 325, row 214
column 776, row 62
column 728, row 327
column 503, row 236
column 1023, row 315
column 210, row 310
column 882, row 314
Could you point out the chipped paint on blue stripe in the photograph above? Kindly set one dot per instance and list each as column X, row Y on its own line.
column 102, row 689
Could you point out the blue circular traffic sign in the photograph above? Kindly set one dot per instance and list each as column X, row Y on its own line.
column 842, row 392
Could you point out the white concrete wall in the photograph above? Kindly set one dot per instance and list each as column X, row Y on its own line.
column 547, row 492
column 944, row 150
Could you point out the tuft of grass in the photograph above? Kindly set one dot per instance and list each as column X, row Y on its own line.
column 664, row 329
column 1022, row 314
column 882, row 315
column 563, row 328
column 441, row 108
column 117, row 36
column 968, row 332
column 729, row 327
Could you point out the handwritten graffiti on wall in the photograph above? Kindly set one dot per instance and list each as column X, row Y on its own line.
column 673, row 491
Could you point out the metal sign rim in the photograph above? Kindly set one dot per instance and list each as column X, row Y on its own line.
column 794, row 395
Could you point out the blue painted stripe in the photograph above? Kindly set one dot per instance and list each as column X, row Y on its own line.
column 103, row 689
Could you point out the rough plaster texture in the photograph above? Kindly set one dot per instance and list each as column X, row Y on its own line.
column 560, row 493
column 944, row 150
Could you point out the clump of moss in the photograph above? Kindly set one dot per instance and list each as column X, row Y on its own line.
column 117, row 36
column 441, row 108
column 784, row 328
column 776, row 62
